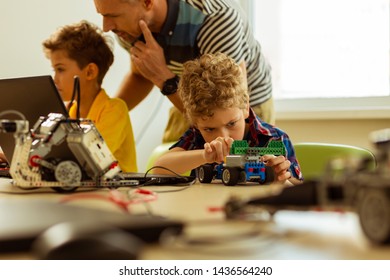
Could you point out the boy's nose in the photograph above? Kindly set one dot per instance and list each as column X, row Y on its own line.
column 224, row 133
column 55, row 79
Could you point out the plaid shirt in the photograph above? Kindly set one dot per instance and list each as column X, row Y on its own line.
column 259, row 134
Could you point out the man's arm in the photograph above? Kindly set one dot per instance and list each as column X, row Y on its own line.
column 134, row 88
column 176, row 101
column 148, row 61
column 243, row 69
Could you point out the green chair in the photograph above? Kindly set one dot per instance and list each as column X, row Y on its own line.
column 157, row 152
column 313, row 157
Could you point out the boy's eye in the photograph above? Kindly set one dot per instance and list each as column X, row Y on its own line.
column 208, row 129
column 231, row 124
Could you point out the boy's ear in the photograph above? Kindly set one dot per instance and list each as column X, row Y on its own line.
column 92, row 71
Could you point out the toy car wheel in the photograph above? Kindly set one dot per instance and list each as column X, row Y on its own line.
column 374, row 214
column 230, row 176
column 269, row 175
column 206, row 173
column 242, row 178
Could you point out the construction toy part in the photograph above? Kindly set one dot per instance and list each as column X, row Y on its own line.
column 243, row 164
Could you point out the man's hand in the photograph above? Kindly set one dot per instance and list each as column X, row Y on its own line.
column 149, row 58
column 217, row 150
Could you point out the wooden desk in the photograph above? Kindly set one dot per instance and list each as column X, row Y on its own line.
column 208, row 235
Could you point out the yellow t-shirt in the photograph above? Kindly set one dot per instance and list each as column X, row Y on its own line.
column 112, row 119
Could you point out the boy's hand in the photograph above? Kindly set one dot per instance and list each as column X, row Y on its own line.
column 280, row 165
column 217, row 150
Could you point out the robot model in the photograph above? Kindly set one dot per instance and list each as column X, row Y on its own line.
column 61, row 153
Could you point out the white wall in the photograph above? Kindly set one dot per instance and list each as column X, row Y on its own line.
column 24, row 24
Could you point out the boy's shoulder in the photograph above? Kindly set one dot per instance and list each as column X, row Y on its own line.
column 103, row 102
column 118, row 102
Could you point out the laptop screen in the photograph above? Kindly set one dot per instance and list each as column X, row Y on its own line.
column 33, row 97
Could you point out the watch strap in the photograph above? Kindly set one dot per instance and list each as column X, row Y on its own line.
column 170, row 85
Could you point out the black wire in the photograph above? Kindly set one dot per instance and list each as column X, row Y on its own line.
column 14, row 112
column 187, row 178
column 76, row 91
column 165, row 168
column 77, row 85
column 73, row 95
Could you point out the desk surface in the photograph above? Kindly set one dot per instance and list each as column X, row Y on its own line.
column 208, row 235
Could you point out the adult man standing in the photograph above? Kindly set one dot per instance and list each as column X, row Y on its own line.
column 161, row 35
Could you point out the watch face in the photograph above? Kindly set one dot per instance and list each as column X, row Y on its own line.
column 170, row 86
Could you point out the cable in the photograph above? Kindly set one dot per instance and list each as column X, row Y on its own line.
column 14, row 112
column 73, row 95
column 118, row 198
column 77, row 85
column 187, row 180
column 162, row 167
column 76, row 91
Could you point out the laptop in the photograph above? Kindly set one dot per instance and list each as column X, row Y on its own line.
column 23, row 221
column 33, row 97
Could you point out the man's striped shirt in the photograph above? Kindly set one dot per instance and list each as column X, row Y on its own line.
column 196, row 27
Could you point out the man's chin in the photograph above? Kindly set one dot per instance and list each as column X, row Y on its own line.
column 126, row 37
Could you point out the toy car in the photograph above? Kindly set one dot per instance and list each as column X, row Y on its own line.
column 242, row 164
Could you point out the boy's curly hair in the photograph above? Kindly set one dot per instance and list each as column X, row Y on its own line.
column 210, row 82
column 84, row 43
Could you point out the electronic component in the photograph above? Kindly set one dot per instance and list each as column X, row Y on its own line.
column 88, row 161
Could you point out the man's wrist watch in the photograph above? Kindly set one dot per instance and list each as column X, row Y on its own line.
column 170, row 85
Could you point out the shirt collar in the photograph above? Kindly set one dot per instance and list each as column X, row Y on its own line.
column 170, row 21
column 259, row 132
column 167, row 28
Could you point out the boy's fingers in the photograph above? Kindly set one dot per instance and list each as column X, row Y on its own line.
column 219, row 149
column 208, row 148
column 229, row 141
